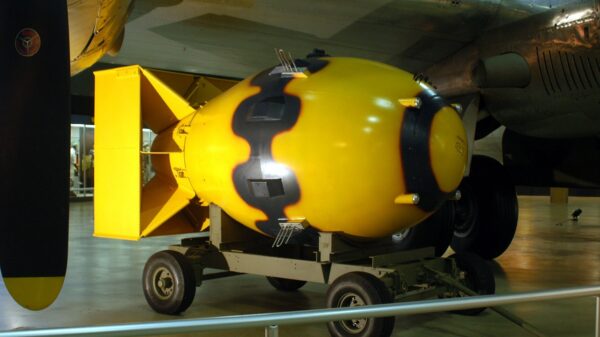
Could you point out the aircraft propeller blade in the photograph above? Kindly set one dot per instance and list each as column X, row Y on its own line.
column 34, row 149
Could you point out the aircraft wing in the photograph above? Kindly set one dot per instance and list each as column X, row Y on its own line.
column 236, row 37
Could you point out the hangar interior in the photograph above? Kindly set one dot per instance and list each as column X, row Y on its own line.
column 556, row 241
column 103, row 285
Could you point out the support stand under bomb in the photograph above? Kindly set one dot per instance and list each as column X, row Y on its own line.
column 357, row 274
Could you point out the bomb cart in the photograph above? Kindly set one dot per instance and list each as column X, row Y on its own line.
column 357, row 274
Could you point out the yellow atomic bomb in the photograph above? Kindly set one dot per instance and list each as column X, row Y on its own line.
column 337, row 145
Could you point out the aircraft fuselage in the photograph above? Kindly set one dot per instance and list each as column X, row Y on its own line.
column 539, row 77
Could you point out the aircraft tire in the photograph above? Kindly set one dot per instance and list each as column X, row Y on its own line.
column 436, row 231
column 285, row 284
column 356, row 289
column 169, row 282
column 487, row 214
column 466, row 225
column 478, row 277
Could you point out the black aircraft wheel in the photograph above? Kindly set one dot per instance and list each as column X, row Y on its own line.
column 478, row 276
column 466, row 212
column 436, row 231
column 285, row 284
column 487, row 214
column 357, row 289
column 169, row 282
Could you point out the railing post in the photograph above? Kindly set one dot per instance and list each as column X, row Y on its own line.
column 272, row 331
column 597, row 316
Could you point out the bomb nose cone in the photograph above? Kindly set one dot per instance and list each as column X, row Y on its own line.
column 434, row 150
column 448, row 149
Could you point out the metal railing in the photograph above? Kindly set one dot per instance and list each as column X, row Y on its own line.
column 271, row 321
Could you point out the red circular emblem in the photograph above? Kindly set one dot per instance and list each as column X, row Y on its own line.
column 28, row 42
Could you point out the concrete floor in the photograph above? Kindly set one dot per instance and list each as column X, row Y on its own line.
column 103, row 285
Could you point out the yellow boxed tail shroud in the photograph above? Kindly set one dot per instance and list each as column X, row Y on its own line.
column 125, row 99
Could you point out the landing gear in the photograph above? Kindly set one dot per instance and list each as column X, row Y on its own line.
column 436, row 231
column 486, row 216
column 466, row 226
column 169, row 282
column 357, row 289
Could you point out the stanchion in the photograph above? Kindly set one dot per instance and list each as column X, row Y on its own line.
column 272, row 331
column 597, row 316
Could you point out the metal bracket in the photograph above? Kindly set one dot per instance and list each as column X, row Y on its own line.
column 288, row 68
column 450, row 281
column 286, row 231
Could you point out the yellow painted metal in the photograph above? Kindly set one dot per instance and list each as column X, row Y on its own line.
column 299, row 75
column 448, row 149
column 213, row 151
column 205, row 225
column 406, row 199
column 161, row 200
column 170, row 190
column 197, row 90
column 34, row 293
column 344, row 151
column 345, row 148
column 178, row 82
column 223, row 84
column 204, row 90
column 161, row 106
column 177, row 224
column 126, row 97
column 414, row 102
column 117, row 185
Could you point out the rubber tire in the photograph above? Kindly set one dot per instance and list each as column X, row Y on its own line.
column 372, row 291
column 183, row 280
column 466, row 218
column 495, row 213
column 478, row 277
column 285, row 284
column 435, row 231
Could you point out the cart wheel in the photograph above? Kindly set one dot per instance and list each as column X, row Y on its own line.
column 169, row 282
column 356, row 289
column 285, row 284
column 478, row 277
